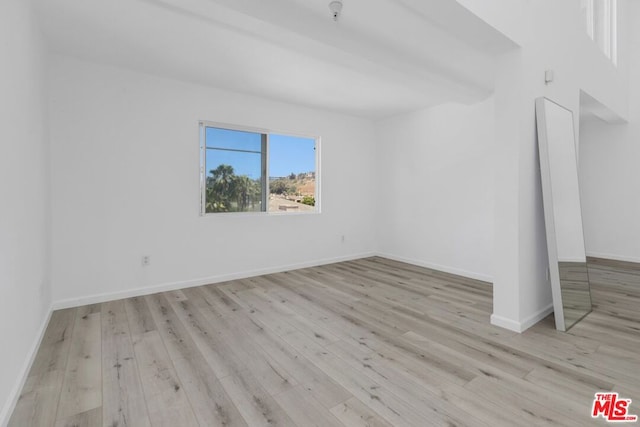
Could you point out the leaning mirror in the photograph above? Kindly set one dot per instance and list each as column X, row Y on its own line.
column 562, row 214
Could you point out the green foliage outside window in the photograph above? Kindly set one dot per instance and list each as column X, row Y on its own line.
column 228, row 192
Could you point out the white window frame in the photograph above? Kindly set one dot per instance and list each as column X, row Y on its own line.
column 203, row 124
column 610, row 21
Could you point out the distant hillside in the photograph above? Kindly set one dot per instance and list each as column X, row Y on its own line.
column 302, row 184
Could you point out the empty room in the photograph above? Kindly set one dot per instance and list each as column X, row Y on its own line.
column 319, row 213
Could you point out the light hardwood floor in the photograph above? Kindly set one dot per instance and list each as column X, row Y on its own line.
column 371, row 342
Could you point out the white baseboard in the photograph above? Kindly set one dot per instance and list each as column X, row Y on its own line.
column 172, row 286
column 522, row 325
column 613, row 257
column 506, row 323
column 14, row 395
column 536, row 317
column 443, row 268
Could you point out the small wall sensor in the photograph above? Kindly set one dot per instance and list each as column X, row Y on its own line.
column 548, row 76
column 335, row 7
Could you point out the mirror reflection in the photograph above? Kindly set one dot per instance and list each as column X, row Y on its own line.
column 563, row 217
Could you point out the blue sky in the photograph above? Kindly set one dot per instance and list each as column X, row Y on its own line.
column 287, row 154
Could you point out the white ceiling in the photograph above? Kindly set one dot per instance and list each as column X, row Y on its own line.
column 381, row 58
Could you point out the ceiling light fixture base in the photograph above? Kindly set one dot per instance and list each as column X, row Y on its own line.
column 336, row 8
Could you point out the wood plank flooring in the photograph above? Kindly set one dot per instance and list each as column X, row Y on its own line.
column 371, row 342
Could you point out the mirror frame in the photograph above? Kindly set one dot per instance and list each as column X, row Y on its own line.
column 555, row 275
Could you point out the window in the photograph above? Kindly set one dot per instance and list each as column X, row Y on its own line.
column 600, row 18
column 244, row 170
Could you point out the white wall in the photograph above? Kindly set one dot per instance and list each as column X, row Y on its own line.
column 609, row 177
column 435, row 180
column 24, row 196
column 609, row 173
column 125, row 154
column 551, row 37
